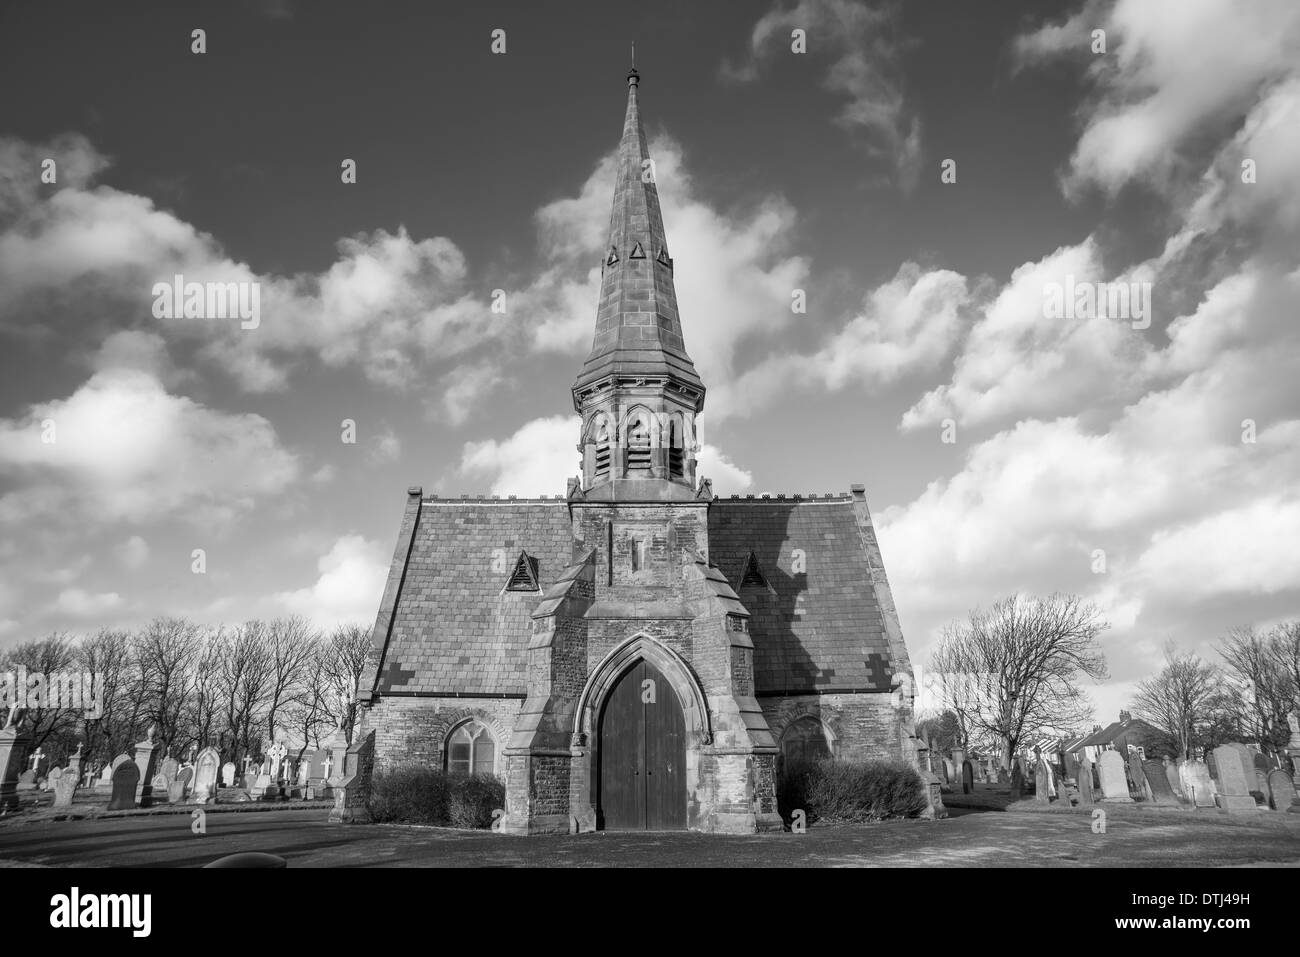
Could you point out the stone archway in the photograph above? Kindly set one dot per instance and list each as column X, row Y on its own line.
column 676, row 684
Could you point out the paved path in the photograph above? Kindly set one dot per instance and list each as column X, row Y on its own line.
column 991, row 839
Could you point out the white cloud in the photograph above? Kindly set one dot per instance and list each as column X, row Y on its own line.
column 125, row 449
column 537, row 459
column 1173, row 70
column 350, row 586
column 907, row 325
column 464, row 389
column 728, row 478
column 133, row 553
column 78, row 603
column 1016, row 361
column 865, row 68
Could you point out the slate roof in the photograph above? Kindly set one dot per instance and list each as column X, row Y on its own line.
column 454, row 630
column 813, row 630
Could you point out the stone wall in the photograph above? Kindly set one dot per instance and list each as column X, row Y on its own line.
column 413, row 730
column 864, row 726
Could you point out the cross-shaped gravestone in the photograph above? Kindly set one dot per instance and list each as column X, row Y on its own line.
column 394, row 674
column 328, row 763
column 877, row 672
column 36, row 757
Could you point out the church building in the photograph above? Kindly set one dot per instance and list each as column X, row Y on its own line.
column 637, row 653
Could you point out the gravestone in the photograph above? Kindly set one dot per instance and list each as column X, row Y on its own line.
column 1114, row 782
column 205, row 775
column 168, row 769
column 65, row 786
column 967, row 777
column 1003, row 777
column 162, row 787
column 1197, row 783
column 316, row 772
column 126, row 776
column 1042, row 783
column 146, row 759
column 1137, row 775
column 1260, row 791
column 1282, row 792
column 27, row 780
column 1236, row 777
column 228, row 774
column 105, row 782
column 1072, row 766
column 180, row 788
column 1083, row 779
column 1158, row 783
column 1175, row 783
column 949, row 772
column 1017, row 781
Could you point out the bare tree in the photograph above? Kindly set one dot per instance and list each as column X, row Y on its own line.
column 244, row 667
column 1265, row 671
column 107, row 655
column 291, row 646
column 166, row 651
column 1012, row 672
column 1182, row 699
column 51, row 722
column 344, row 659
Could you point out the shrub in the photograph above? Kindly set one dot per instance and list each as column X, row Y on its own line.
column 409, row 795
column 850, row 791
column 473, row 799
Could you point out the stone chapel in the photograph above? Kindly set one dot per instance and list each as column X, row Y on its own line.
column 637, row 653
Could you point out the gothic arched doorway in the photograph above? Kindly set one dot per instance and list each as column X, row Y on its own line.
column 641, row 754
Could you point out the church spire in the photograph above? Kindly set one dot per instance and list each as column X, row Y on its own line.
column 638, row 363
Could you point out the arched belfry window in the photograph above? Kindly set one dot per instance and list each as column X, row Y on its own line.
column 638, row 443
column 471, row 749
column 676, row 456
column 600, row 438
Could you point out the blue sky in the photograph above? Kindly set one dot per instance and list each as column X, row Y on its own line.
column 778, row 171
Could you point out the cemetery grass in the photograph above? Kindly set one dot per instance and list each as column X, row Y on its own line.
column 966, row 839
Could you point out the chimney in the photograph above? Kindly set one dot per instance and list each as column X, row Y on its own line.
column 1125, row 717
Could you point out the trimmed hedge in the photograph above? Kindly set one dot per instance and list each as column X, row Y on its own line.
column 421, row 795
column 850, row 792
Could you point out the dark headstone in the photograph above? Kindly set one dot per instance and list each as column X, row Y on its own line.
column 125, row 778
column 1042, row 783
column 967, row 777
column 1138, row 776
column 1017, row 782
column 1084, row 780
column 1282, row 792
column 1158, row 782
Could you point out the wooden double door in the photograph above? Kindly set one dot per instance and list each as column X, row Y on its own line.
column 642, row 754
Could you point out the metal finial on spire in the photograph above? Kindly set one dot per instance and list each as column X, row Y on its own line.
column 633, row 77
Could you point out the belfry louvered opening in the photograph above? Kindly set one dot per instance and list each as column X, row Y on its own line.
column 638, row 446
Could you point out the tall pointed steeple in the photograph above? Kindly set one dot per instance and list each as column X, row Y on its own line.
column 638, row 392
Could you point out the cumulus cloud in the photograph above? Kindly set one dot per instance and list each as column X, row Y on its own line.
column 537, row 459
column 865, row 69
column 1173, row 71
column 349, row 588
column 122, row 448
column 78, row 603
column 389, row 304
column 907, row 325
